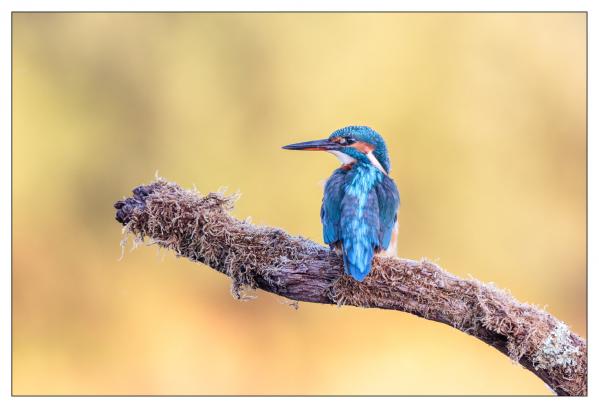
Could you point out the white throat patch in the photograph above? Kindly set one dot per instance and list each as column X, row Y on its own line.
column 343, row 158
column 346, row 159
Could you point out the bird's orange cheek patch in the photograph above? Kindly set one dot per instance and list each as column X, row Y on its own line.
column 363, row 147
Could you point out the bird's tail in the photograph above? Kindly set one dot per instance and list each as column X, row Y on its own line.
column 357, row 259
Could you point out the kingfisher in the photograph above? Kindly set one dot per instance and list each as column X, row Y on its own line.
column 360, row 203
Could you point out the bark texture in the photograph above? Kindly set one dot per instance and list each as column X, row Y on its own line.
column 201, row 229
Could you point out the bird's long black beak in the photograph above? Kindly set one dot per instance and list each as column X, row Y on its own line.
column 323, row 144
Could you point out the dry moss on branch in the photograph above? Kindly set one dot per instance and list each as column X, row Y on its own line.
column 254, row 257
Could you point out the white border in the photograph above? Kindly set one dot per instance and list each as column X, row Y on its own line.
column 6, row 6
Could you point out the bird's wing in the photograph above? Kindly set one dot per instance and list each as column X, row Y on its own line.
column 359, row 232
column 388, row 204
column 330, row 211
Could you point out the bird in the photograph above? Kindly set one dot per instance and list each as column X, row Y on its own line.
column 360, row 204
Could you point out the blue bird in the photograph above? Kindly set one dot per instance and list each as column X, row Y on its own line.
column 360, row 203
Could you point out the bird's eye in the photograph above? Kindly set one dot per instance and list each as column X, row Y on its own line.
column 344, row 141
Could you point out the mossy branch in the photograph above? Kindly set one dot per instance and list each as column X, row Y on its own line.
column 201, row 229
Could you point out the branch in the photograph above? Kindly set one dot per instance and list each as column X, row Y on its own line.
column 201, row 229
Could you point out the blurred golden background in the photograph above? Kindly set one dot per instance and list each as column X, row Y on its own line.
column 484, row 117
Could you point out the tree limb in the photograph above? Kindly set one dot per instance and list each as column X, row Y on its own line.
column 201, row 229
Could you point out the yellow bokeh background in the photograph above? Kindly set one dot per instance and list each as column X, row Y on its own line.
column 485, row 119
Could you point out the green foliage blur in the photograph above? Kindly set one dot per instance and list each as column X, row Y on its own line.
column 485, row 119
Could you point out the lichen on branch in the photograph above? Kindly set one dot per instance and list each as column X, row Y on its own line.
column 201, row 229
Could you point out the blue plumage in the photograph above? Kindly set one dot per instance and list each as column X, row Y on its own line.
column 360, row 203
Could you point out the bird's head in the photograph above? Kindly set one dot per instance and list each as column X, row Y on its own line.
column 352, row 144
